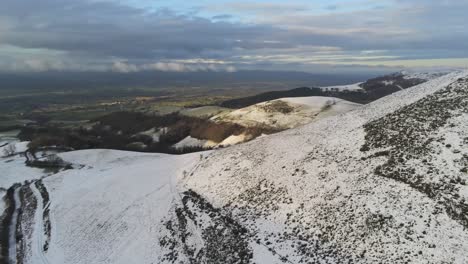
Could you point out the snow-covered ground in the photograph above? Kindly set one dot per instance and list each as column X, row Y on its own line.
column 109, row 210
column 195, row 142
column 312, row 194
column 12, row 167
column 13, row 170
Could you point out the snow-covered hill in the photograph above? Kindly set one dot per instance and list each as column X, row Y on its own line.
column 390, row 83
column 275, row 115
column 287, row 113
column 427, row 76
column 385, row 183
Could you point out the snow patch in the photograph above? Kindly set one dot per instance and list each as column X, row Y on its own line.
column 194, row 142
column 348, row 87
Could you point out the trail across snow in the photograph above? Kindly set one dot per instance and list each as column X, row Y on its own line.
column 38, row 235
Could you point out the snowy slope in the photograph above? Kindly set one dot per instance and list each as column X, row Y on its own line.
column 319, row 191
column 107, row 211
column 428, row 76
column 389, row 80
column 117, row 210
column 287, row 112
column 384, row 183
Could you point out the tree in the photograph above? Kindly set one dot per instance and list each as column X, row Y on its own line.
column 9, row 150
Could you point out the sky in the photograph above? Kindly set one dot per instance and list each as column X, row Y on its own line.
column 222, row 35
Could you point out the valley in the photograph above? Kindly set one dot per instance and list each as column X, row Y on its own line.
column 182, row 122
column 380, row 182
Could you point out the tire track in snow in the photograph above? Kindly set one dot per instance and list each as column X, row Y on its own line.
column 12, row 230
column 38, row 237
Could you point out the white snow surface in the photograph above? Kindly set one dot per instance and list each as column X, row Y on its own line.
column 13, row 170
column 305, row 182
column 194, row 142
column 109, row 211
column 18, row 146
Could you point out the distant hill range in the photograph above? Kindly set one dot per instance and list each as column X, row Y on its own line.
column 159, row 79
column 362, row 93
column 268, row 96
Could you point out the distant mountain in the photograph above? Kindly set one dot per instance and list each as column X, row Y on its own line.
column 381, row 86
column 268, row 96
column 364, row 92
column 286, row 113
column 91, row 80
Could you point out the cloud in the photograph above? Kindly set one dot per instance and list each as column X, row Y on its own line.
column 262, row 7
column 222, row 17
column 124, row 67
column 109, row 35
column 119, row 66
column 332, row 7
